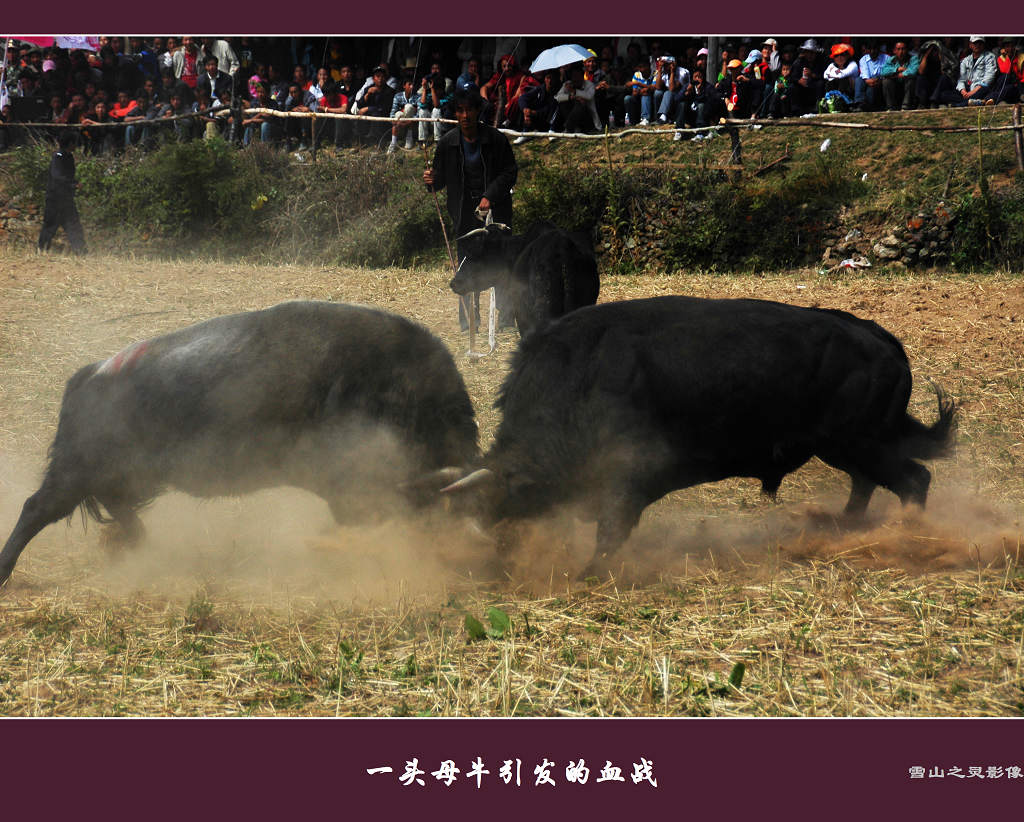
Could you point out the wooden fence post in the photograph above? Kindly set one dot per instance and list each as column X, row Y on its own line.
column 1018, row 137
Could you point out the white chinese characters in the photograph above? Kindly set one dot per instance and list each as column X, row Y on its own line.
column 510, row 772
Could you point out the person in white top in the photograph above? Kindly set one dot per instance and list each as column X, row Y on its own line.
column 842, row 72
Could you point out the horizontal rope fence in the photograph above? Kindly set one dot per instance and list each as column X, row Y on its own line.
column 663, row 130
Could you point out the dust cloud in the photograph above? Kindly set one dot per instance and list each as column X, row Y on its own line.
column 273, row 546
column 957, row 531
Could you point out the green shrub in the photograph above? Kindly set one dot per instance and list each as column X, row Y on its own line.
column 26, row 168
column 989, row 229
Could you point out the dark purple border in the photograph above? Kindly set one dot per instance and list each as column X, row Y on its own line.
column 595, row 17
column 290, row 769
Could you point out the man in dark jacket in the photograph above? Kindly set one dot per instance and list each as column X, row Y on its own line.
column 60, row 207
column 215, row 81
column 476, row 164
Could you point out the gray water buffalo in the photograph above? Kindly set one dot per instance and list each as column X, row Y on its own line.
column 346, row 401
column 611, row 407
column 542, row 274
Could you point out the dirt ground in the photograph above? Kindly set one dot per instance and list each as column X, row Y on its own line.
column 279, row 547
column 965, row 333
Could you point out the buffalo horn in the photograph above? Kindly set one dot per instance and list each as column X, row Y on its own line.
column 472, row 233
column 442, row 476
column 481, row 476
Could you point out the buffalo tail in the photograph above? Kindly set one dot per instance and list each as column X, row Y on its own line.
column 923, row 442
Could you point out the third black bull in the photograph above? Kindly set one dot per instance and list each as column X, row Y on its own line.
column 613, row 406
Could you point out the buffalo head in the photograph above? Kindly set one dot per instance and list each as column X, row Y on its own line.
column 485, row 258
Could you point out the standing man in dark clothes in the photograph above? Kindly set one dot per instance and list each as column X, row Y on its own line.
column 60, row 207
column 476, row 164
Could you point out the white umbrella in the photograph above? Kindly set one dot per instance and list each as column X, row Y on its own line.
column 559, row 56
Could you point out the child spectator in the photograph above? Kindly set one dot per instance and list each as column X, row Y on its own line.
column 638, row 102
column 779, row 103
column 261, row 126
column 403, row 106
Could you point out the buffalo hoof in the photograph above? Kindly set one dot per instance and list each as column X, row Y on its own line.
column 598, row 567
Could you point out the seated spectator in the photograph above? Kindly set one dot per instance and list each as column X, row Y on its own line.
column 639, row 100
column 471, row 76
column 100, row 140
column 168, row 85
column 757, row 74
column 1009, row 75
column 125, row 106
column 841, row 74
column 204, row 123
column 603, row 105
column 734, row 90
column 513, row 110
column 977, row 71
column 429, row 102
column 260, row 125
column 213, row 80
column 771, row 55
column 376, row 102
column 727, row 55
column 297, row 130
column 539, row 105
column 277, row 85
column 499, row 92
column 75, row 109
column 54, row 109
column 899, row 77
column 333, row 102
column 806, row 78
column 403, row 107
column 151, row 90
column 701, row 61
column 778, row 101
column 936, row 62
column 868, row 86
column 700, row 107
column 572, row 98
column 670, row 82
column 137, row 122
column 173, row 112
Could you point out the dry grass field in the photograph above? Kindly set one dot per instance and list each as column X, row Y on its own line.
column 723, row 605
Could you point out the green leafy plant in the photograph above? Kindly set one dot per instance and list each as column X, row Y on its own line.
column 499, row 625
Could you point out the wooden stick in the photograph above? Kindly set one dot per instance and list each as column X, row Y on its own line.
column 466, row 304
column 1018, row 137
column 773, row 163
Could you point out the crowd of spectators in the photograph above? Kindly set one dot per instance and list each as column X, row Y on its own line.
column 138, row 90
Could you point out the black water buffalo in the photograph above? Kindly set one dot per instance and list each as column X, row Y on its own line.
column 542, row 274
column 612, row 407
column 345, row 401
